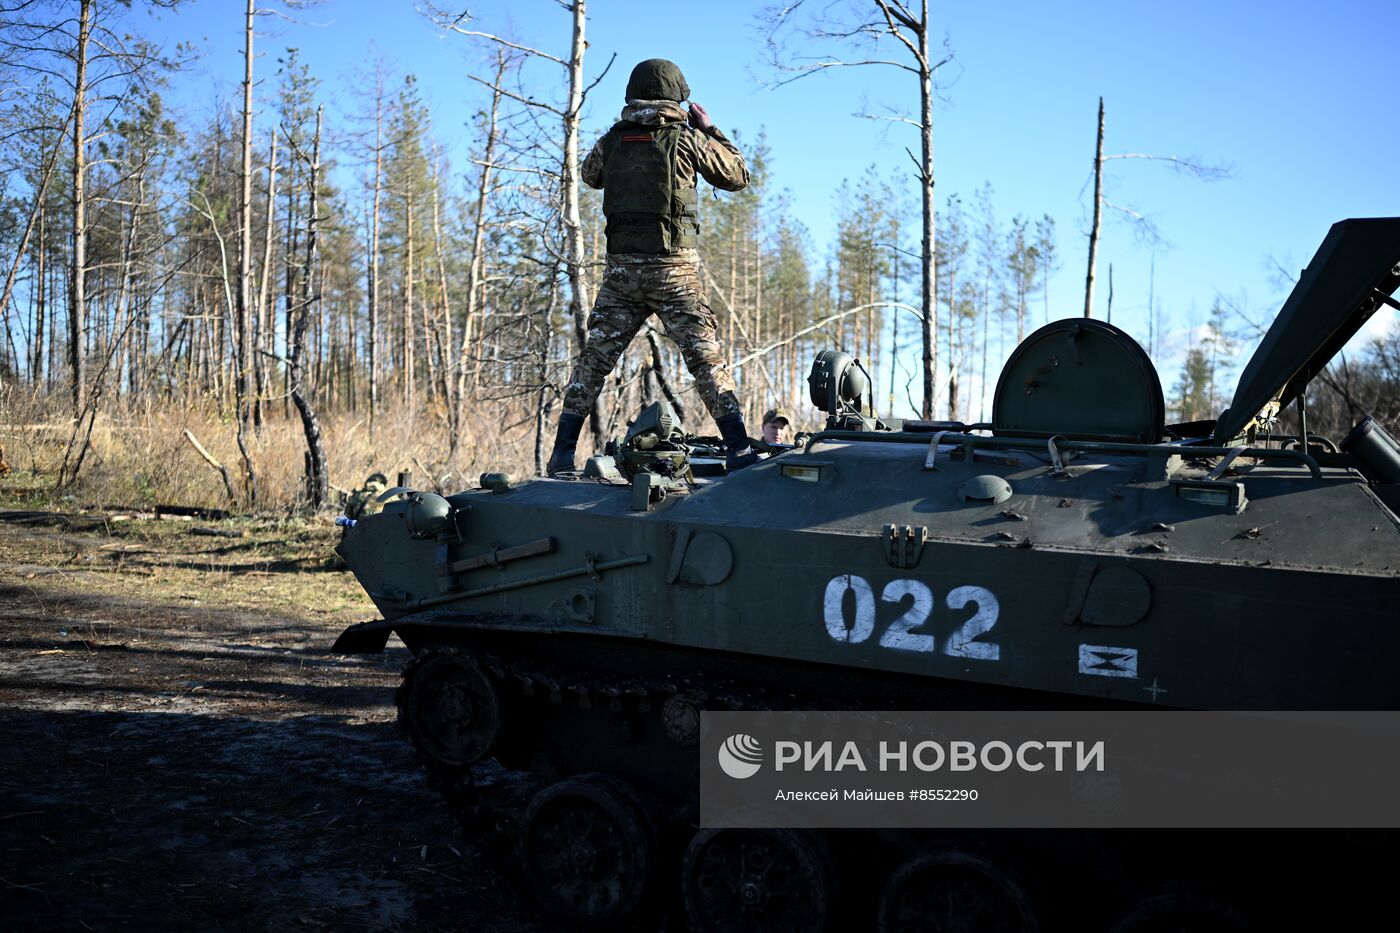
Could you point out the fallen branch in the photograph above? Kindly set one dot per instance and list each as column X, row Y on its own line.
column 209, row 459
column 218, row 532
column 187, row 511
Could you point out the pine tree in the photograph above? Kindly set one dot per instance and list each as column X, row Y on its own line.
column 1046, row 245
column 1022, row 271
column 990, row 294
column 1193, row 387
column 408, row 180
column 1220, row 348
column 953, row 268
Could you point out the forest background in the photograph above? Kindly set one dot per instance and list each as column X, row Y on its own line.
column 253, row 252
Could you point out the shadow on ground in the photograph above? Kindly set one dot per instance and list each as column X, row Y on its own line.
column 178, row 821
column 166, row 766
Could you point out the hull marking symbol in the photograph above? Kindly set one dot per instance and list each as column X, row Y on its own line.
column 1103, row 661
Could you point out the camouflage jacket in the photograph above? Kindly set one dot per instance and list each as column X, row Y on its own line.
column 711, row 154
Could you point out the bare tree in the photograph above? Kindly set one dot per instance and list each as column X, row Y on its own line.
column 227, row 280
column 569, row 114
column 1143, row 224
column 573, row 229
column 1097, row 221
column 480, row 211
column 77, row 294
column 243, row 292
column 35, row 216
column 97, row 64
column 860, row 26
column 245, row 224
column 316, row 479
column 375, row 350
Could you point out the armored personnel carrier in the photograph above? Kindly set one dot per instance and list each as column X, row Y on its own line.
column 1076, row 552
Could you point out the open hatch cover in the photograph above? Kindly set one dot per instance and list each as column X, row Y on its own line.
column 1082, row 379
column 1355, row 270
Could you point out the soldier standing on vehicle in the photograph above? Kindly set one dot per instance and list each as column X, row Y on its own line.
column 646, row 165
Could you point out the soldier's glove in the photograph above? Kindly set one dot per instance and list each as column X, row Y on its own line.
column 700, row 119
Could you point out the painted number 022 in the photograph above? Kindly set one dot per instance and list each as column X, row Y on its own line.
column 900, row 634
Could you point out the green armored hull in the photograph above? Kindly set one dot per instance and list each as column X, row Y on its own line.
column 1076, row 552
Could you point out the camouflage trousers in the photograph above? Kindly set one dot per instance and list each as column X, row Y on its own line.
column 635, row 287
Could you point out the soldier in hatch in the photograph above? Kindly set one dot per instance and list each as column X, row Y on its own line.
column 365, row 500
column 775, row 426
column 646, row 165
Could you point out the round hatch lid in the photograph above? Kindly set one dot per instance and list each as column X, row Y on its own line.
column 1083, row 379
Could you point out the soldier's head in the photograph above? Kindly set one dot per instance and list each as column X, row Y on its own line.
column 657, row 79
column 775, row 425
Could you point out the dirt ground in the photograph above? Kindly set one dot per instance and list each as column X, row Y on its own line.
column 179, row 750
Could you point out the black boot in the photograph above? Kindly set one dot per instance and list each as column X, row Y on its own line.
column 739, row 451
column 561, row 460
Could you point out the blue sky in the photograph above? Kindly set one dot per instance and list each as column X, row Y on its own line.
column 1296, row 98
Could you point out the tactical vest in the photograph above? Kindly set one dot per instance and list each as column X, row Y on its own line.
column 646, row 210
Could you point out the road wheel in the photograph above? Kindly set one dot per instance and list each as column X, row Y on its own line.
column 757, row 881
column 450, row 709
column 1179, row 913
column 949, row 891
column 586, row 851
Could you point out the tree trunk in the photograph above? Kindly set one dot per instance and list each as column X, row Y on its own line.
column 483, row 194
column 245, row 225
column 432, row 344
column 139, row 374
column 290, row 248
column 929, row 305
column 200, row 355
column 9, row 362
column 573, row 229
column 373, row 323
column 542, row 407
column 1098, row 219
column 37, row 370
column 266, row 330
column 658, row 372
column 123, row 319
column 953, row 400
column 1110, row 293
column 242, row 297
column 36, row 217
column 55, row 274
column 445, row 342
column 986, row 346
column 732, row 296
column 545, row 398
column 316, row 481
column 77, row 291
column 408, row 330
column 352, row 343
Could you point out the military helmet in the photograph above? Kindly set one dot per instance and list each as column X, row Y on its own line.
column 657, row 79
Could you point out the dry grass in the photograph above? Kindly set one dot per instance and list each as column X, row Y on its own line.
column 281, row 567
column 140, row 457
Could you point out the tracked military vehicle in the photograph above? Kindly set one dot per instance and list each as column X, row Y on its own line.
column 1075, row 552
